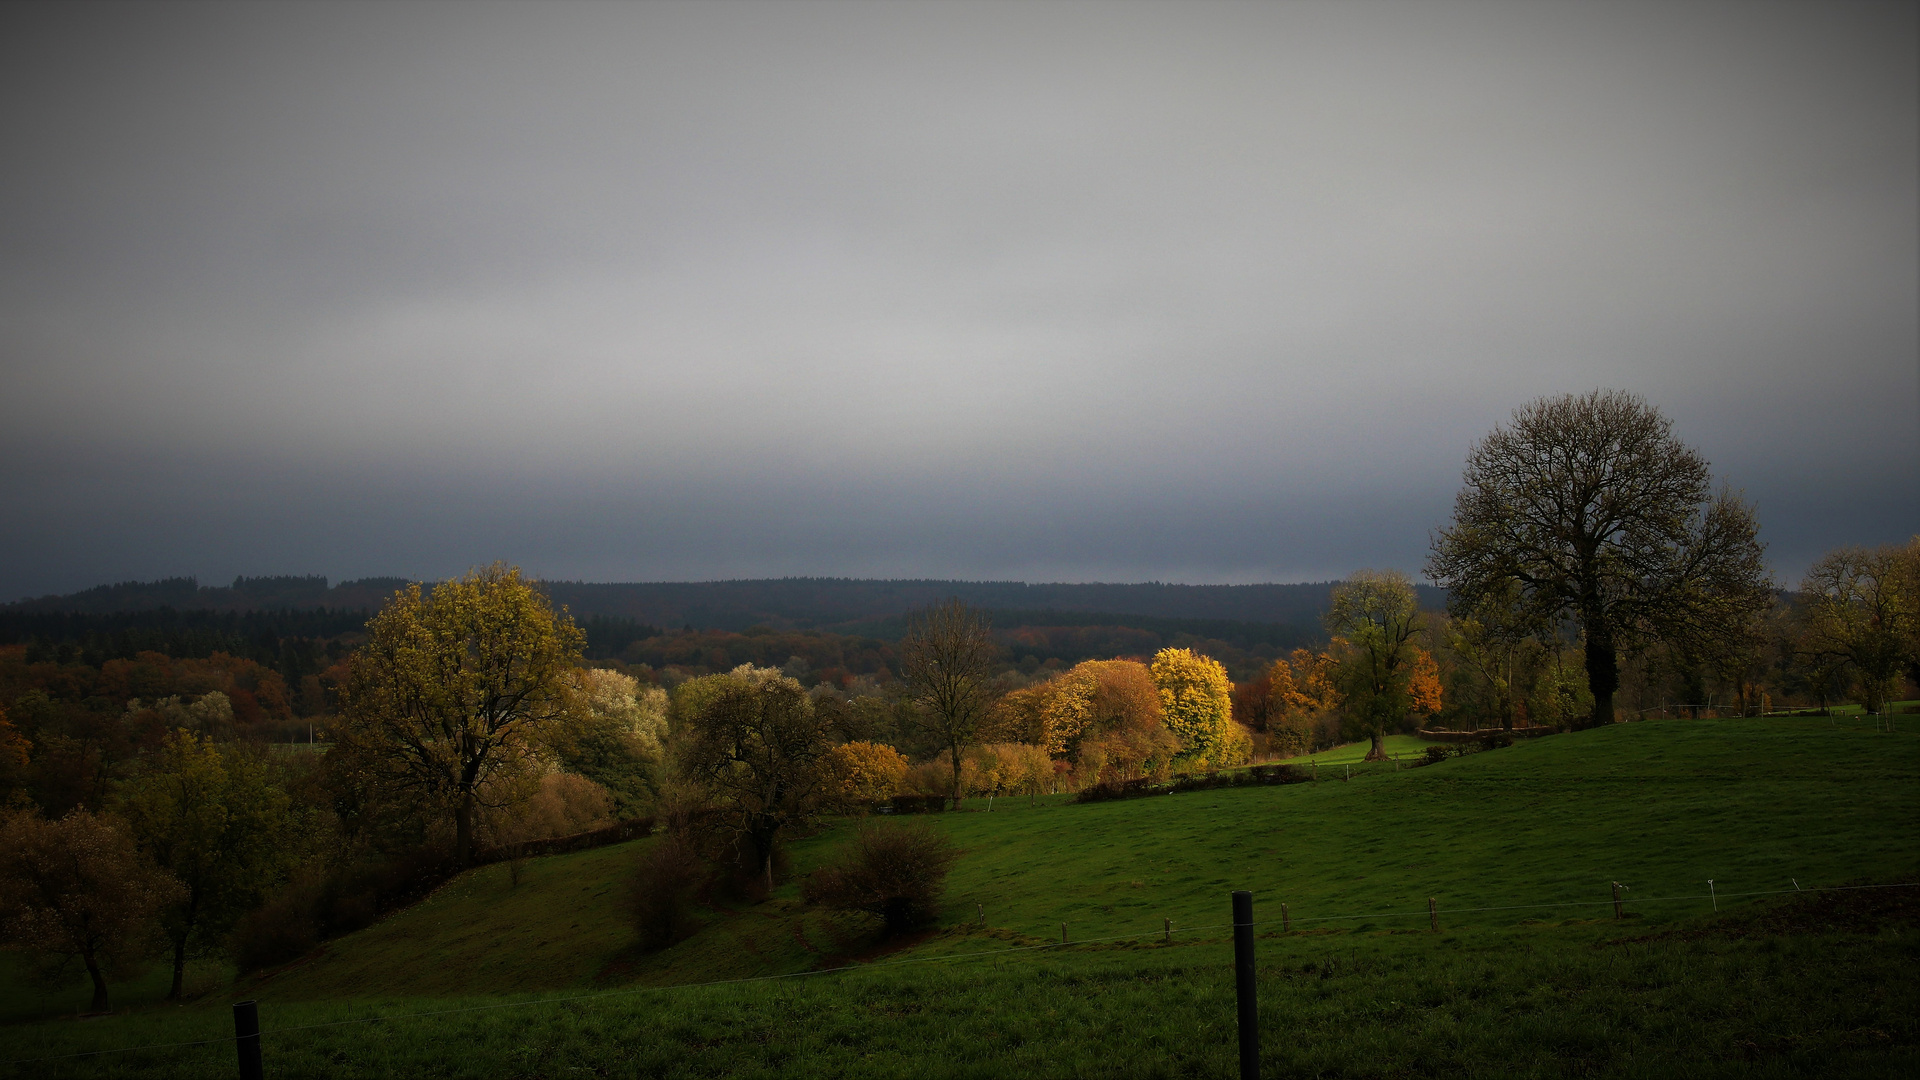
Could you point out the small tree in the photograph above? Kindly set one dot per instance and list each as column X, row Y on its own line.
column 895, row 871
column 212, row 818
column 946, row 659
column 755, row 746
column 616, row 736
column 1373, row 618
column 1196, row 699
column 454, row 691
column 79, row 888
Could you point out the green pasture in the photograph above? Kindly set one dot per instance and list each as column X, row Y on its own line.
column 1410, row 748
column 1529, row 974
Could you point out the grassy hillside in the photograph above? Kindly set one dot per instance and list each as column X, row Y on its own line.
column 1511, row 984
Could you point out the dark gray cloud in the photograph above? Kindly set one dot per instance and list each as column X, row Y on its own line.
column 1071, row 292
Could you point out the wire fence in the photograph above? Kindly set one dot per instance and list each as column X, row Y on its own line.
column 1187, row 936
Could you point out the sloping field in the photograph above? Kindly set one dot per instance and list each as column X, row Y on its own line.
column 1359, row 987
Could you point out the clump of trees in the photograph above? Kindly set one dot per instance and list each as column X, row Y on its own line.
column 1860, row 621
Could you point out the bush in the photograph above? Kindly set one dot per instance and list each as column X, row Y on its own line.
column 896, row 872
column 281, row 931
column 1436, row 755
column 919, row 804
column 663, row 891
column 1257, row 776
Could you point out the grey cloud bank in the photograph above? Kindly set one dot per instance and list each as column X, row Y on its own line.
column 1054, row 292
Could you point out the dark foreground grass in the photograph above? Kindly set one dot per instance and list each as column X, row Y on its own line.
column 1808, row 988
column 1513, row 985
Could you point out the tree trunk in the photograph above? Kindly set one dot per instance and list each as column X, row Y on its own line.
column 179, row 968
column 1603, row 675
column 1378, row 752
column 99, row 984
column 463, row 830
column 956, row 776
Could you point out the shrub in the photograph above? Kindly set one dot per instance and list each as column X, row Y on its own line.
column 919, row 804
column 1436, row 755
column 663, row 891
column 895, row 872
column 282, row 930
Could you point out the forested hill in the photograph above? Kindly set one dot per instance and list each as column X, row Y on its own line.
column 784, row 603
column 291, row 592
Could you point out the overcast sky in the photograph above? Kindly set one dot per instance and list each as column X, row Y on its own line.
column 1050, row 292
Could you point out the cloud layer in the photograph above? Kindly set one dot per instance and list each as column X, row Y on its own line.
column 1063, row 292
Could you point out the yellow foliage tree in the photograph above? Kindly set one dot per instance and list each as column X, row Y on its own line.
column 455, row 691
column 862, row 773
column 1196, row 700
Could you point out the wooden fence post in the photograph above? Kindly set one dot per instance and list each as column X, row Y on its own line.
column 1286, row 925
column 1433, row 913
column 246, row 1031
column 1169, row 929
column 1617, row 913
column 1063, row 933
column 1245, row 986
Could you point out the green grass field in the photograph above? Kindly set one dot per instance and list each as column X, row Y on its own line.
column 1529, row 974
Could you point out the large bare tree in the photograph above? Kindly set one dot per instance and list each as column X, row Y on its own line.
column 1596, row 513
column 947, row 658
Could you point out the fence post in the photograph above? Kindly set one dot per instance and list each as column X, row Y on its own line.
column 1616, row 902
column 1169, row 923
column 1244, row 986
column 246, row 1031
column 1714, row 895
column 1286, row 925
column 1433, row 914
column 1063, row 933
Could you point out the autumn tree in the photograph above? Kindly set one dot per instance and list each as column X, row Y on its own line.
column 1861, row 614
column 756, row 745
column 947, row 659
column 862, row 773
column 1374, row 617
column 615, row 736
column 1590, row 507
column 1196, row 699
column 79, row 888
column 456, row 690
column 212, row 817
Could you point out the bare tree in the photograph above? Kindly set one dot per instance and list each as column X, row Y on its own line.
column 1860, row 614
column 1590, row 506
column 947, row 658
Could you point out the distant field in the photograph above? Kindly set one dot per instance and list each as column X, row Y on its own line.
column 1359, row 987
